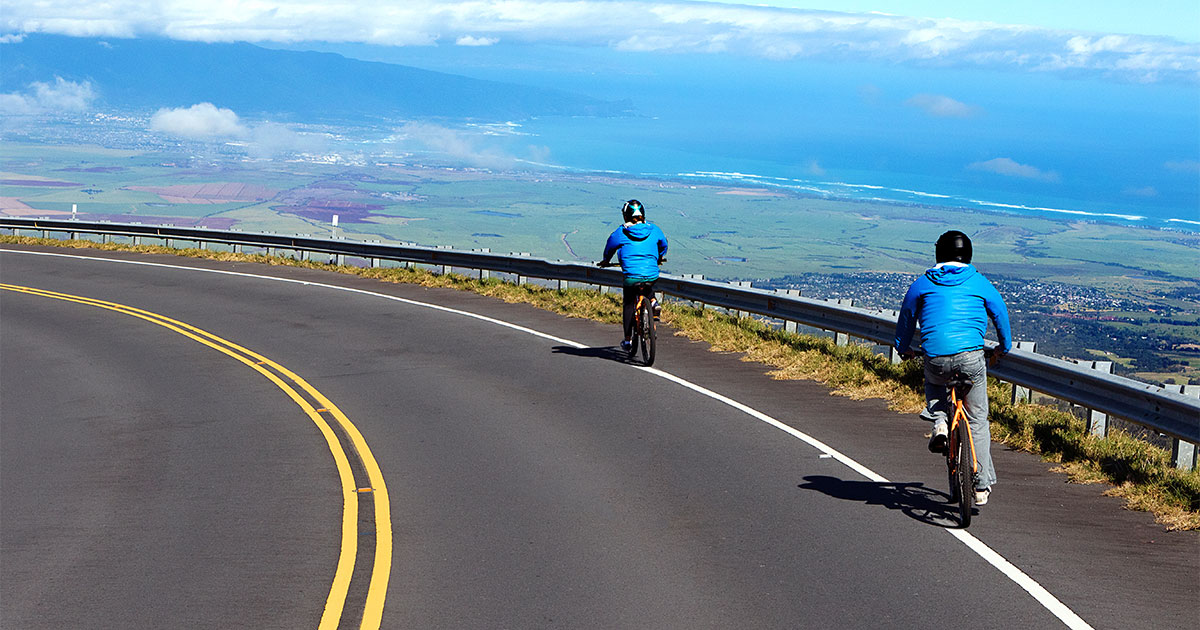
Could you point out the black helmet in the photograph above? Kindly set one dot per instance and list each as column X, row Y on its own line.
column 633, row 209
column 953, row 246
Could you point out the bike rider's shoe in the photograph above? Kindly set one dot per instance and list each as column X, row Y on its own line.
column 626, row 345
column 981, row 496
column 657, row 308
column 937, row 441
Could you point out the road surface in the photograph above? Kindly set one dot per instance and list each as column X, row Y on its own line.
column 533, row 478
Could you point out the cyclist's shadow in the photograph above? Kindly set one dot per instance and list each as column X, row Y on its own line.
column 612, row 353
column 914, row 499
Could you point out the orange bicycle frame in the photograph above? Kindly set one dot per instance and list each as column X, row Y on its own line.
column 960, row 415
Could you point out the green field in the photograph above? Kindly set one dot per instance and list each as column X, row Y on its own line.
column 714, row 230
column 1147, row 280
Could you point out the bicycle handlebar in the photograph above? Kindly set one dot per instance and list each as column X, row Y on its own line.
column 613, row 264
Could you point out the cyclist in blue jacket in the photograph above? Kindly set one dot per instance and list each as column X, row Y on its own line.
column 953, row 303
column 639, row 247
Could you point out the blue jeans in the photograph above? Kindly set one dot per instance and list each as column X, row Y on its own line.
column 938, row 407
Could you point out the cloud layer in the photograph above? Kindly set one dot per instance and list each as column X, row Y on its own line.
column 203, row 121
column 940, row 106
column 60, row 97
column 1011, row 168
column 669, row 26
column 457, row 146
column 207, row 122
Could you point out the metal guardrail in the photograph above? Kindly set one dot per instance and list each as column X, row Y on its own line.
column 1157, row 408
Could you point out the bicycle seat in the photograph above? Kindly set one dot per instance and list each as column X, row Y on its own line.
column 959, row 381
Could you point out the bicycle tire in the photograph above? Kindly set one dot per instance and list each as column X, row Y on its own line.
column 951, row 453
column 647, row 333
column 964, row 481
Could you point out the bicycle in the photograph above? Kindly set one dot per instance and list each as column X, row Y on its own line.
column 960, row 449
column 645, row 332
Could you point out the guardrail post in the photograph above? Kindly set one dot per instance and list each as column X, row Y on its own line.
column 1097, row 421
column 1183, row 454
column 445, row 269
column 484, row 274
column 741, row 283
column 695, row 276
column 521, row 279
column 1022, row 394
column 788, row 325
column 893, row 354
column 841, row 338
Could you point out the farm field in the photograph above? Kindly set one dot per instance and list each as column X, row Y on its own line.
column 1131, row 281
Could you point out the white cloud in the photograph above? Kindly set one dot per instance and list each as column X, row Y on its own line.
column 1011, row 168
column 941, row 106
column 668, row 26
column 457, row 145
column 468, row 40
column 273, row 139
column 204, row 121
column 1183, row 166
column 62, row 96
column 1146, row 191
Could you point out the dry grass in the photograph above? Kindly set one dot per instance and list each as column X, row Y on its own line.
column 1137, row 471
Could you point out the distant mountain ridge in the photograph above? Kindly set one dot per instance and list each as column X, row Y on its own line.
column 154, row 73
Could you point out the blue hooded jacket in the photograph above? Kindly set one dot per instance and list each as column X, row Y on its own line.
column 638, row 247
column 952, row 302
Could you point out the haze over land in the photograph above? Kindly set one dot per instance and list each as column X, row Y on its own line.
column 769, row 142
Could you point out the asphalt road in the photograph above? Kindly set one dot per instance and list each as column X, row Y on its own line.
column 148, row 480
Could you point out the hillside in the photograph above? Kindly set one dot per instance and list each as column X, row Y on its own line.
column 153, row 73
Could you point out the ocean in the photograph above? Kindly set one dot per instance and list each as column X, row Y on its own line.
column 659, row 148
column 1020, row 142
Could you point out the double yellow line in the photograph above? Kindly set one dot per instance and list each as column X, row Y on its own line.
column 284, row 379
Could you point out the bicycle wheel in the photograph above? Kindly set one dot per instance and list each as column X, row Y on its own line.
column 647, row 332
column 964, row 478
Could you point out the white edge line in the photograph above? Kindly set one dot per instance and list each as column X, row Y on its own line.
column 1019, row 577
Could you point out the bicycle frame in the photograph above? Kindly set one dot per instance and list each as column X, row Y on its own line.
column 960, row 415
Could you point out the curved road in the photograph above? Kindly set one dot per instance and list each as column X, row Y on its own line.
column 149, row 480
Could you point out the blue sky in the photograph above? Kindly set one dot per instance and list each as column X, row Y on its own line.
column 1172, row 18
